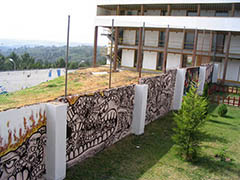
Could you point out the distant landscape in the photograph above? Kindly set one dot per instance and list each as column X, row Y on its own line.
column 31, row 55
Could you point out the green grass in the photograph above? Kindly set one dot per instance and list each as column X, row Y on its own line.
column 156, row 158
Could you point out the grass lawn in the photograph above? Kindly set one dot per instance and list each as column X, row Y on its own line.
column 79, row 82
column 156, row 158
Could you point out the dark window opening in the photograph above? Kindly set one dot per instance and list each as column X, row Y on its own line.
column 191, row 13
column 187, row 61
column 160, row 61
column 163, row 13
column 135, row 58
column 222, row 13
column 218, row 43
column 189, row 41
column 161, row 39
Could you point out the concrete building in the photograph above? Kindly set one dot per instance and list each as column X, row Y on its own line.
column 165, row 34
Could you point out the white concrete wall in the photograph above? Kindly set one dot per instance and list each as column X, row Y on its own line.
column 203, row 42
column 116, row 2
column 178, row 22
column 178, row 12
column 129, row 37
column 151, row 38
column 149, row 60
column 173, row 61
column 128, row 58
column 175, row 40
column 17, row 80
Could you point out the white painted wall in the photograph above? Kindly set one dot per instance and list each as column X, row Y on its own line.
column 178, row 12
column 173, row 61
column 175, row 40
column 17, row 80
column 151, row 38
column 203, row 41
column 13, row 120
column 129, row 37
column 128, row 58
column 116, row 2
column 178, row 22
column 149, row 60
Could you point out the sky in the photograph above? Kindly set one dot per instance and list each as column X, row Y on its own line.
column 47, row 20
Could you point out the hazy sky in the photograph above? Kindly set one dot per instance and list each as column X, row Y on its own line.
column 47, row 20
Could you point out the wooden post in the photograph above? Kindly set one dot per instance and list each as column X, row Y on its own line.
column 115, row 49
column 239, row 101
column 165, row 53
column 169, row 10
column 195, row 47
column 233, row 10
column 118, row 10
column 140, row 64
column 139, row 55
column 198, row 10
column 182, row 48
column 110, row 73
column 95, row 47
column 226, row 57
column 142, row 10
column 116, row 43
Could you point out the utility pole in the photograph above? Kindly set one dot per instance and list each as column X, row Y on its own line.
column 110, row 73
column 66, row 66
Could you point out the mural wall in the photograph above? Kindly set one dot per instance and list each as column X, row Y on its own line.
column 96, row 121
column 160, row 94
column 192, row 77
column 22, row 143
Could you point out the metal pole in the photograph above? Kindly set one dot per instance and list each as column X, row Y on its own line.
column 110, row 73
column 143, row 37
column 66, row 66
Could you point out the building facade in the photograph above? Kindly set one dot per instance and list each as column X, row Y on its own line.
column 166, row 34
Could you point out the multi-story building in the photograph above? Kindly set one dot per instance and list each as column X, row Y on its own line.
column 165, row 34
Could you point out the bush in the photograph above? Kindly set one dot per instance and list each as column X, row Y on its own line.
column 222, row 110
column 190, row 120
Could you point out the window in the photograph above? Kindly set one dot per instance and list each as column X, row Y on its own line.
column 222, row 13
column 160, row 61
column 163, row 13
column 218, row 43
column 161, row 39
column 187, row 61
column 191, row 13
column 189, row 41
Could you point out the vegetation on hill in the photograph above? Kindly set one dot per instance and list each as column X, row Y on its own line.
column 49, row 57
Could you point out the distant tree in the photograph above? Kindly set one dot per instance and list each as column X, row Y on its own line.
column 73, row 65
column 60, row 63
column 16, row 59
column 2, row 60
column 27, row 61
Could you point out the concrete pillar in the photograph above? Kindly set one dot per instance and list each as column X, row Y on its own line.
column 139, row 112
column 215, row 73
column 202, row 77
column 56, row 141
column 95, row 47
column 179, row 87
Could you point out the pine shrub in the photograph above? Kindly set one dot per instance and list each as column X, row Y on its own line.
column 189, row 122
column 222, row 110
